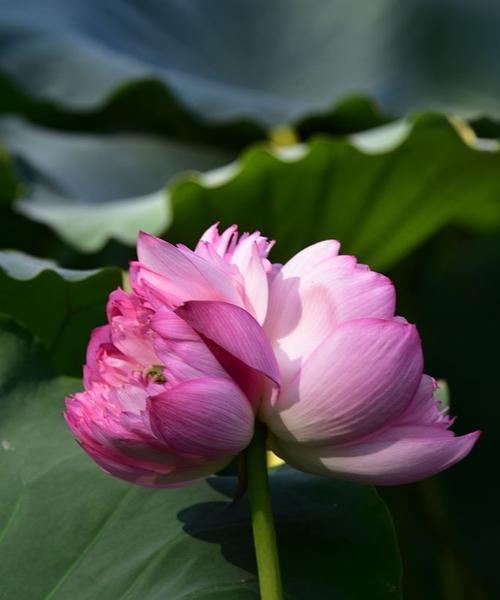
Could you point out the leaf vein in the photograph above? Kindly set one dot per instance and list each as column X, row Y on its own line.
column 108, row 519
column 12, row 517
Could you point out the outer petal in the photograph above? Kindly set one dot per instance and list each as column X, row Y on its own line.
column 311, row 256
column 234, row 330
column 315, row 292
column 171, row 472
column 208, row 418
column 180, row 275
column 361, row 377
column 113, row 427
column 396, row 456
column 424, row 409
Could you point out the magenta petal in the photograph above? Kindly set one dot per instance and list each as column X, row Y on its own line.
column 393, row 457
column 208, row 418
column 234, row 330
column 360, row 378
column 169, row 472
column 181, row 349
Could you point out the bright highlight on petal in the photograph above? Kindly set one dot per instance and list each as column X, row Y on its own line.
column 358, row 379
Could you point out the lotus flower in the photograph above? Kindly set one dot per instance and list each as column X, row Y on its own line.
column 211, row 339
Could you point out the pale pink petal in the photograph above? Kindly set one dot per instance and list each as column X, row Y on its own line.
column 234, row 330
column 361, row 377
column 132, row 399
column 394, row 457
column 133, row 341
column 250, row 264
column 288, row 307
column 208, row 417
column 311, row 257
column 307, row 301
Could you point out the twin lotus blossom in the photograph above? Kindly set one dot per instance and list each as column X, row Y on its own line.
column 210, row 340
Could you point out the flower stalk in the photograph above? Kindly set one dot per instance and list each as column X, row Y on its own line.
column 262, row 517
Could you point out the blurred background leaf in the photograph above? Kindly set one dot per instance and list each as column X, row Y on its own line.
column 382, row 193
column 272, row 62
column 59, row 306
column 135, row 542
column 91, row 188
column 221, row 59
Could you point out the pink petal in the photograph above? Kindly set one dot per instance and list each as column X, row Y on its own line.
column 180, row 275
column 362, row 376
column 172, row 472
column 235, row 331
column 98, row 337
column 207, row 418
column 315, row 292
column 105, row 363
column 396, row 456
column 112, row 426
column 311, row 257
column 424, row 409
column 133, row 341
column 181, row 349
column 250, row 264
column 220, row 242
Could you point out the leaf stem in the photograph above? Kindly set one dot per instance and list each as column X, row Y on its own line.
column 262, row 517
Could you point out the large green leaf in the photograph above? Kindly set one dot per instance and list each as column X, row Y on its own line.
column 222, row 59
column 68, row 531
column 91, row 188
column 273, row 61
column 60, row 306
column 380, row 193
column 149, row 106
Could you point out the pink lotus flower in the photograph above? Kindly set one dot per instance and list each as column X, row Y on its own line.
column 211, row 339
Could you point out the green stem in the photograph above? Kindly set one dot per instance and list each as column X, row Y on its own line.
column 262, row 517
